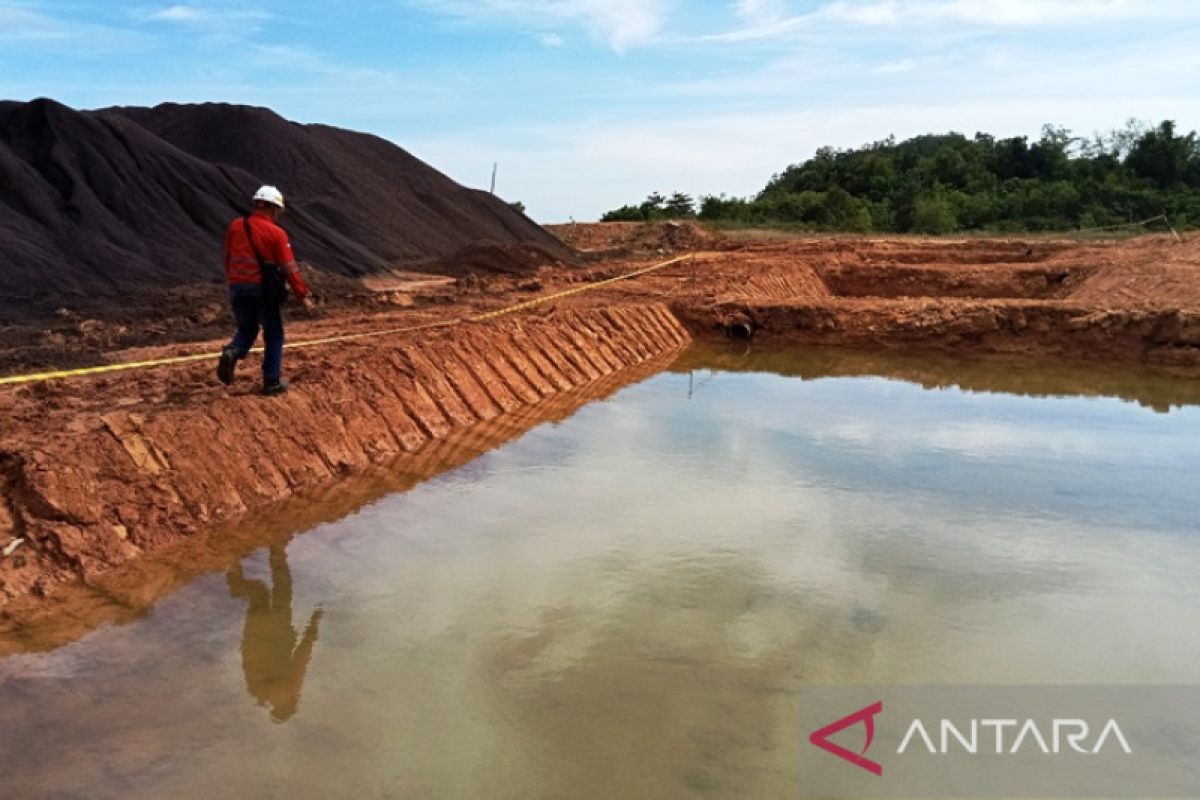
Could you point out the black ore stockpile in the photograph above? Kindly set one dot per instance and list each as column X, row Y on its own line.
column 99, row 209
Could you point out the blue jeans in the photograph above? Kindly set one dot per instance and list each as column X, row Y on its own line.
column 251, row 313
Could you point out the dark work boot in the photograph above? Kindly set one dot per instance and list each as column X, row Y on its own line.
column 229, row 359
column 272, row 388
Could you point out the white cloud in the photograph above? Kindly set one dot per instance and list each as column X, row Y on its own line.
column 619, row 23
column 21, row 23
column 216, row 27
column 197, row 15
column 774, row 29
column 897, row 67
column 762, row 11
column 767, row 19
column 624, row 24
column 179, row 14
column 551, row 40
column 289, row 58
column 1007, row 13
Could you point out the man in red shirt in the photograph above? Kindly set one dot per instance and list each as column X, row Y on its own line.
column 258, row 259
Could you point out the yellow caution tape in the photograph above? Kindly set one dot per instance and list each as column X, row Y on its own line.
column 165, row 362
column 75, row 373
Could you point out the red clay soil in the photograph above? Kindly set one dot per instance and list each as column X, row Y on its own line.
column 610, row 239
column 1137, row 300
column 100, row 471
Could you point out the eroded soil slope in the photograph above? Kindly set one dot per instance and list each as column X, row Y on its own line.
column 93, row 475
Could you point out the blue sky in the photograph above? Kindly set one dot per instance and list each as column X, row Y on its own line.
column 588, row 104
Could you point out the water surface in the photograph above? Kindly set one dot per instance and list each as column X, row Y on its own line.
column 623, row 604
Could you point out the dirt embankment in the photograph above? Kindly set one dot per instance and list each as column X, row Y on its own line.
column 94, row 476
column 1137, row 300
column 123, row 593
column 614, row 239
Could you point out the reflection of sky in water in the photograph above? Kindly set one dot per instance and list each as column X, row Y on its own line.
column 1092, row 460
column 623, row 604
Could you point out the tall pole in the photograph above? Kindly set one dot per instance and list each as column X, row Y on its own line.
column 495, row 166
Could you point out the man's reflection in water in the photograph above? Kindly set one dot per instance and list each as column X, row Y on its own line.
column 272, row 660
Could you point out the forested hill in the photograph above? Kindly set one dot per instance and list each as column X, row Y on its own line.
column 948, row 183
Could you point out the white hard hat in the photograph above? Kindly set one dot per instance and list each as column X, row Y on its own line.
column 269, row 194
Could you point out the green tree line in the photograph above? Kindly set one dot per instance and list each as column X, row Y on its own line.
column 655, row 207
column 946, row 183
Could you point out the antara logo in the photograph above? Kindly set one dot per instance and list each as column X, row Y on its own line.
column 867, row 718
column 976, row 736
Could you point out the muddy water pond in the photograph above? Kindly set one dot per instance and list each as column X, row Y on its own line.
column 625, row 603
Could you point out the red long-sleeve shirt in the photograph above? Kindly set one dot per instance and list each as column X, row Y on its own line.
column 241, row 267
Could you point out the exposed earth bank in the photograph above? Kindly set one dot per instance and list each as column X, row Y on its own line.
column 1137, row 300
column 95, row 472
column 92, row 479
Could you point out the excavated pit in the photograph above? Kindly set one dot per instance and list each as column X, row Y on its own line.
column 1134, row 302
column 100, row 473
column 98, row 489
